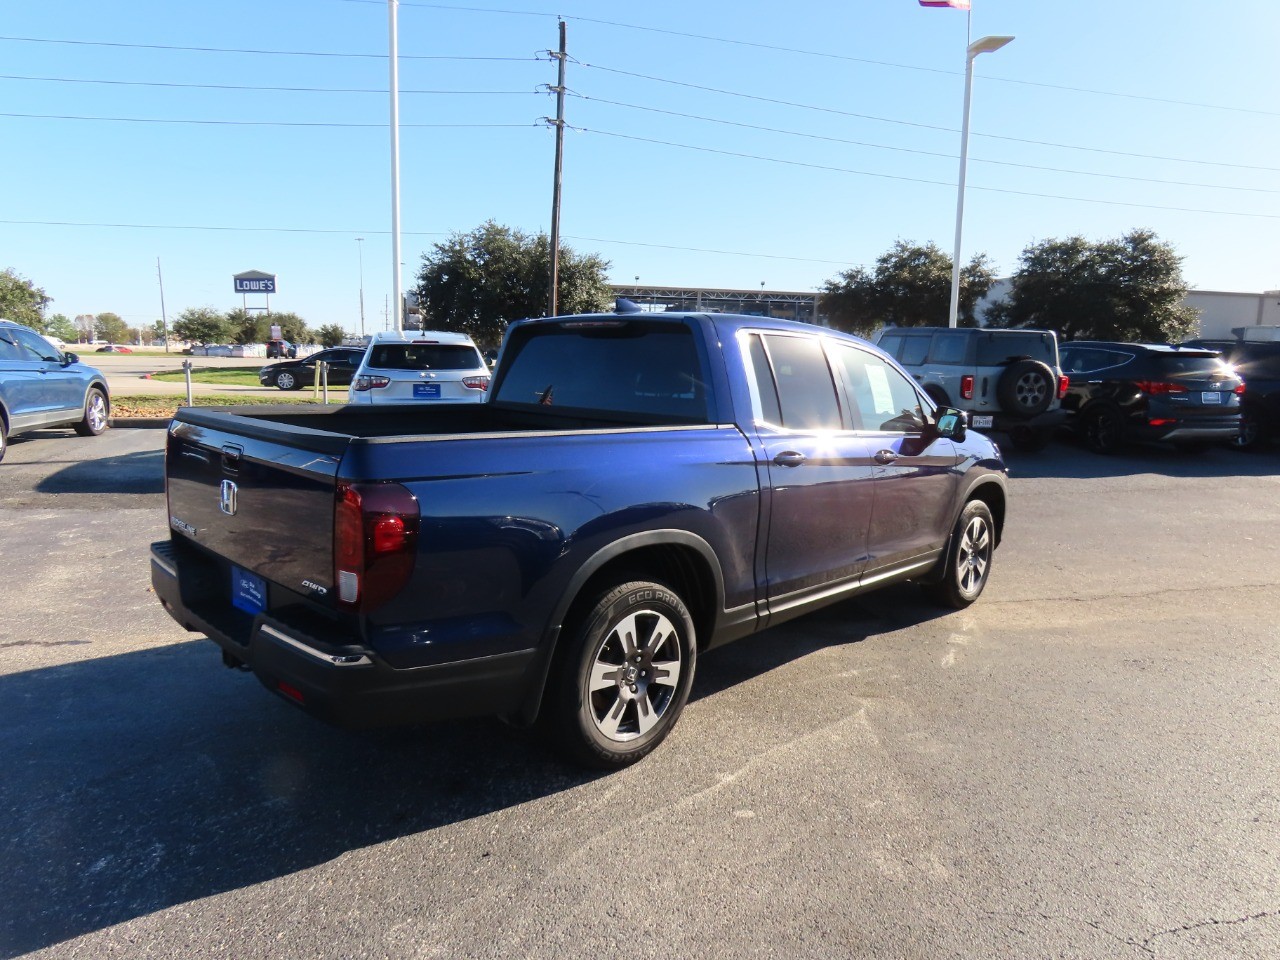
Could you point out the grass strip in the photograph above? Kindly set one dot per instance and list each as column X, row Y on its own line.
column 130, row 408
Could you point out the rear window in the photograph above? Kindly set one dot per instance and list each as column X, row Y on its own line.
column 997, row 349
column 424, row 356
column 634, row 367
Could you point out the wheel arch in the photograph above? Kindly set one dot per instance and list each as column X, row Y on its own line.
column 680, row 559
column 994, row 496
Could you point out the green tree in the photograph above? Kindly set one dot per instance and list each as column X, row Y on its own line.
column 292, row 327
column 910, row 287
column 60, row 326
column 1129, row 289
column 331, row 334
column 22, row 301
column 202, row 325
column 111, row 328
column 478, row 282
column 248, row 326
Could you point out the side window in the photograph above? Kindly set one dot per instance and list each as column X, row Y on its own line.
column 883, row 399
column 8, row 349
column 948, row 348
column 891, row 344
column 765, row 387
column 806, row 392
column 34, row 347
column 914, row 351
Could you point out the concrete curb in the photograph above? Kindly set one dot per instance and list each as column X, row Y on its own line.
column 144, row 422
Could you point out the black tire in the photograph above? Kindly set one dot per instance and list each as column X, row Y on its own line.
column 969, row 554
column 1029, row 439
column 1026, row 388
column 97, row 414
column 287, row 380
column 1103, row 430
column 4, row 437
column 1251, row 432
column 610, row 700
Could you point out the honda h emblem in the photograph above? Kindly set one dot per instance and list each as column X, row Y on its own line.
column 228, row 503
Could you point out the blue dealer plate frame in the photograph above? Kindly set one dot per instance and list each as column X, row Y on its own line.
column 426, row 391
column 248, row 591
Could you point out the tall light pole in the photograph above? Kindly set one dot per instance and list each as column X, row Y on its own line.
column 360, row 247
column 985, row 45
column 393, row 7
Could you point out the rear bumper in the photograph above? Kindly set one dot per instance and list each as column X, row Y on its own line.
column 347, row 684
column 1223, row 431
column 1005, row 423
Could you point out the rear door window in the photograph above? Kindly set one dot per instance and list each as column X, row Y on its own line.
column 914, row 351
column 806, row 392
column 948, row 348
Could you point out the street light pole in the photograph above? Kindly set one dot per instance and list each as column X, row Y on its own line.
column 985, row 45
column 393, row 7
column 360, row 247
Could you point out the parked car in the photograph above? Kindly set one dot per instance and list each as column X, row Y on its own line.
column 636, row 489
column 1008, row 381
column 281, row 349
column 113, row 348
column 1120, row 392
column 420, row 366
column 1258, row 362
column 40, row 386
column 295, row 374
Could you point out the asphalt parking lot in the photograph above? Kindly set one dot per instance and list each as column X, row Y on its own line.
column 1083, row 764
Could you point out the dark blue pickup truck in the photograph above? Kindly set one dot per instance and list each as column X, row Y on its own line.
column 636, row 489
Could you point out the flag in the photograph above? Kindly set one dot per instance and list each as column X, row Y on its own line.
column 957, row 4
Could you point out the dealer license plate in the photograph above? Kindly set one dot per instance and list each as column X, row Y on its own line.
column 1211, row 396
column 979, row 422
column 248, row 591
column 426, row 391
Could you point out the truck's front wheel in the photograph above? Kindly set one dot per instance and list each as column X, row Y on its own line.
column 626, row 676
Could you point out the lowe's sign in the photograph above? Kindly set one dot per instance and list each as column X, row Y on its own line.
column 255, row 281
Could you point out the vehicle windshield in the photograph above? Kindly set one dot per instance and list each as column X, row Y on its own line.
column 424, row 356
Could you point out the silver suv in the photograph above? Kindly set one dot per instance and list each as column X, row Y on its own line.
column 1008, row 381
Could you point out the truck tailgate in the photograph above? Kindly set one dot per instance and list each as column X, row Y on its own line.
column 264, row 505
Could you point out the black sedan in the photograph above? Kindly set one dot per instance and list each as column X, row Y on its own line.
column 1132, row 391
column 296, row 374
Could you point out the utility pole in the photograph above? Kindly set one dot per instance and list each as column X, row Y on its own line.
column 360, row 247
column 164, row 322
column 555, row 191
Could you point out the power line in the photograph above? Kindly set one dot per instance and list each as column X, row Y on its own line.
column 923, row 153
column 258, row 89
column 266, row 123
column 940, row 183
column 827, row 55
column 909, row 123
column 411, row 233
column 254, row 52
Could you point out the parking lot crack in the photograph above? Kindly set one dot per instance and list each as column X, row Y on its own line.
column 1201, row 924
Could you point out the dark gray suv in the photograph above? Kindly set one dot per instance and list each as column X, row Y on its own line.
column 1007, row 381
column 40, row 386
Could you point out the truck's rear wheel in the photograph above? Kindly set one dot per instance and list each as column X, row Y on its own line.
column 625, row 677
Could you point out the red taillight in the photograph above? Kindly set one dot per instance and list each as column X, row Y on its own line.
column 1156, row 387
column 1063, row 382
column 966, row 387
column 1239, row 390
column 476, row 383
column 375, row 537
column 1161, row 422
column 369, row 382
column 290, row 691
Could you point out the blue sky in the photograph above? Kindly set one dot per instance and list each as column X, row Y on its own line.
column 714, row 144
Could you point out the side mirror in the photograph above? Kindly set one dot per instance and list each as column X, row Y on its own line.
column 70, row 358
column 951, row 423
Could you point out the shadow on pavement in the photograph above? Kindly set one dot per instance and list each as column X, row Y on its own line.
column 141, row 472
column 1067, row 458
column 138, row 782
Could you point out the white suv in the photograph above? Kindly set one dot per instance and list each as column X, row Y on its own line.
column 1008, row 381
column 420, row 366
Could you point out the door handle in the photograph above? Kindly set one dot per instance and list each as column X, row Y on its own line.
column 885, row 456
column 789, row 458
